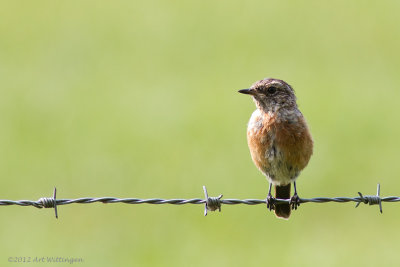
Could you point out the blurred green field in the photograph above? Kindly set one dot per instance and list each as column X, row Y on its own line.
column 139, row 99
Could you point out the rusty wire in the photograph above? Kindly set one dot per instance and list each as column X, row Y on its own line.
column 211, row 203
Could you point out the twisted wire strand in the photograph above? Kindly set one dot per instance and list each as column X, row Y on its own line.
column 89, row 200
column 211, row 203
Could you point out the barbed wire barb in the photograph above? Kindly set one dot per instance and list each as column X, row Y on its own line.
column 372, row 200
column 45, row 202
column 211, row 203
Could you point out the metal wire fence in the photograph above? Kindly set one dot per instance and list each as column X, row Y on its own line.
column 211, row 203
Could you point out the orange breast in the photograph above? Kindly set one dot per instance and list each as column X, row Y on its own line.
column 279, row 148
column 258, row 140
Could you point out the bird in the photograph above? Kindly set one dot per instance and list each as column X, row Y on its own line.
column 279, row 141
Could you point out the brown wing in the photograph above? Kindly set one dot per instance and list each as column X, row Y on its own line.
column 295, row 141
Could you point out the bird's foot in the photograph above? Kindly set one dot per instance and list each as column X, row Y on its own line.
column 294, row 201
column 270, row 202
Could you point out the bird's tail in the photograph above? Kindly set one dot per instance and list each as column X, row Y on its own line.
column 282, row 210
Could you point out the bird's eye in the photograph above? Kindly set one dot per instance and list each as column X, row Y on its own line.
column 271, row 90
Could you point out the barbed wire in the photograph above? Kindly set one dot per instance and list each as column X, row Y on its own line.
column 211, row 203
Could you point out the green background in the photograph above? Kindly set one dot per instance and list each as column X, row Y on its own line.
column 139, row 99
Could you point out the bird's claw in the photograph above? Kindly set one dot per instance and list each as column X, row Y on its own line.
column 270, row 202
column 294, row 201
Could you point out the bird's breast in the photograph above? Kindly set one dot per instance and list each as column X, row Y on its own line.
column 280, row 148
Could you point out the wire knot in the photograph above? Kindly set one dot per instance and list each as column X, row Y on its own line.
column 371, row 200
column 211, row 203
column 49, row 202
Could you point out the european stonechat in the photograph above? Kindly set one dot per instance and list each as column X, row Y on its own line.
column 279, row 140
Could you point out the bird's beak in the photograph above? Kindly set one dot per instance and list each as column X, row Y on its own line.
column 247, row 91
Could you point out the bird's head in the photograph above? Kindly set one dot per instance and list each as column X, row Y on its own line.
column 270, row 95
